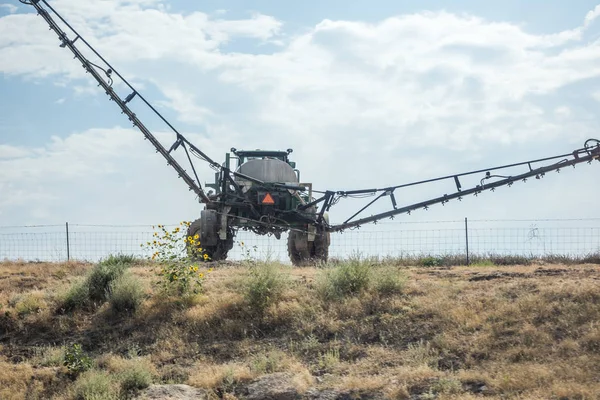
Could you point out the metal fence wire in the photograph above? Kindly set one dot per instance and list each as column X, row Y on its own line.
column 531, row 238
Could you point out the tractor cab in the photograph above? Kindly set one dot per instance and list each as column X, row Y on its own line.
column 247, row 155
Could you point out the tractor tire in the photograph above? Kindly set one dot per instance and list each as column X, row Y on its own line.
column 298, row 256
column 319, row 250
column 216, row 252
column 311, row 252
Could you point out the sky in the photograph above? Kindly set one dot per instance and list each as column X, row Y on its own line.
column 368, row 94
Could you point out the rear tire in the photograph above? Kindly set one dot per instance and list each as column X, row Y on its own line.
column 308, row 252
column 320, row 247
column 298, row 256
column 216, row 252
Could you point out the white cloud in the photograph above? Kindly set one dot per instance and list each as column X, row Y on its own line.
column 11, row 8
column 363, row 104
column 184, row 103
column 7, row 151
column 591, row 15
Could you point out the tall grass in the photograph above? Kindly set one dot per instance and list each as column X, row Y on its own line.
column 357, row 275
column 346, row 278
column 126, row 293
column 265, row 284
column 96, row 385
column 389, row 281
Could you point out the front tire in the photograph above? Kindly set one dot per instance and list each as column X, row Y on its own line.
column 216, row 252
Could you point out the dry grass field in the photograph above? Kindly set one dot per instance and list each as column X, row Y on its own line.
column 371, row 330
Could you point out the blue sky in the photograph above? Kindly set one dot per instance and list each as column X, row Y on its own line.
column 367, row 93
column 541, row 17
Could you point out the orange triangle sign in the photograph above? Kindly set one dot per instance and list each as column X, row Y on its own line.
column 268, row 199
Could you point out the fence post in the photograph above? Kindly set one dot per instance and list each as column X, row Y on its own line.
column 68, row 247
column 467, row 239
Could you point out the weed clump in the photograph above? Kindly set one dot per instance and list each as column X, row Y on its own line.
column 100, row 279
column 95, row 385
column 264, row 286
column 430, row 261
column 125, row 293
column 138, row 376
column 270, row 362
column 76, row 297
column 95, row 289
column 47, row 356
column 345, row 279
column 389, row 281
column 28, row 304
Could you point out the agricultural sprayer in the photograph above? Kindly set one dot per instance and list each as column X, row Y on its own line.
column 261, row 191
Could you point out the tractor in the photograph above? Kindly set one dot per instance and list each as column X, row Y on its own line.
column 263, row 197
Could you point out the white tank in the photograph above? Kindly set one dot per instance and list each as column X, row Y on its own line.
column 268, row 170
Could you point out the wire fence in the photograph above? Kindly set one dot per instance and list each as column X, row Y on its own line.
column 531, row 238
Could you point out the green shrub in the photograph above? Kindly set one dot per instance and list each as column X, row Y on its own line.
column 100, row 278
column 268, row 363
column 137, row 376
column 76, row 360
column 446, row 386
column 95, row 288
column 264, row 286
column 95, row 385
column 76, row 297
column 125, row 293
column 388, row 281
column 430, row 261
column 345, row 279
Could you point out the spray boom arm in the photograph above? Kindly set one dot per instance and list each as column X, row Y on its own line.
column 493, row 177
column 106, row 83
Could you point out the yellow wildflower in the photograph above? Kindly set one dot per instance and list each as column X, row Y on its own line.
column 196, row 236
column 205, row 256
column 200, row 275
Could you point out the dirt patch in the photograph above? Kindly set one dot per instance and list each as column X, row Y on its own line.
column 497, row 275
column 551, row 271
